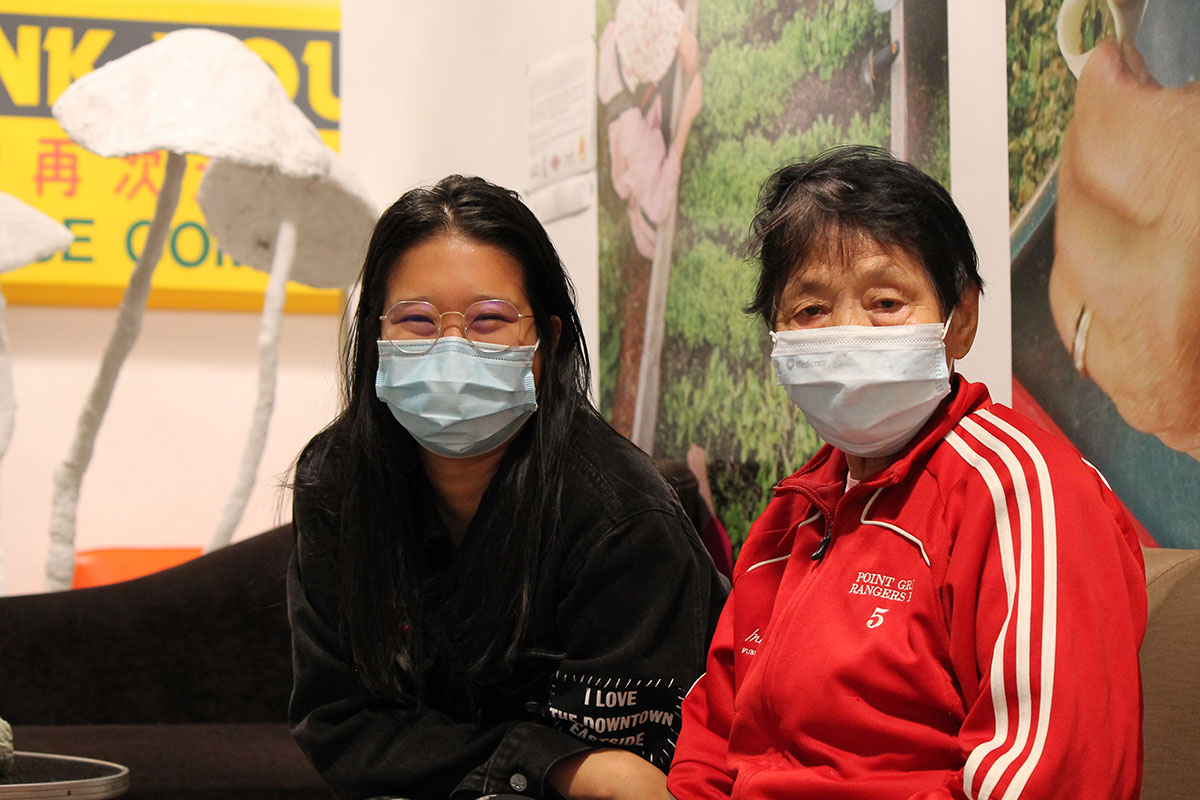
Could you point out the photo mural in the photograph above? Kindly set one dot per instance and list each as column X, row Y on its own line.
column 1104, row 196
column 698, row 102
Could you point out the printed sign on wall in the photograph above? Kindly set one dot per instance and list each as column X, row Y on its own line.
column 108, row 202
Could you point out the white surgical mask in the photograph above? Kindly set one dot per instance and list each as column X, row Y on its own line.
column 866, row 390
column 456, row 400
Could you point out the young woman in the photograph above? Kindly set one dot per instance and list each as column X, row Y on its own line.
column 492, row 591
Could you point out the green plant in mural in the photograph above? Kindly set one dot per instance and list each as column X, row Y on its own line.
column 720, row 187
column 750, row 84
column 718, row 387
column 707, row 294
column 1041, row 91
column 781, row 83
column 934, row 158
column 610, row 310
column 732, row 20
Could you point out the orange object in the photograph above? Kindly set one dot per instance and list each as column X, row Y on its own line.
column 115, row 564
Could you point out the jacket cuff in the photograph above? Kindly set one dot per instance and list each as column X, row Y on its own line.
column 521, row 762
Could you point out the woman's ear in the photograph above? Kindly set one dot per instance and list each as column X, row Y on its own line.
column 966, row 321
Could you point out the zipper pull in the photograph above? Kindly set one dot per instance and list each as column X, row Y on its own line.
column 819, row 553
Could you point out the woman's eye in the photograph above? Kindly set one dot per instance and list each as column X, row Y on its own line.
column 415, row 319
column 485, row 323
column 811, row 311
column 888, row 304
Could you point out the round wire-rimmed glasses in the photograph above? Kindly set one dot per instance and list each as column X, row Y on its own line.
column 414, row 326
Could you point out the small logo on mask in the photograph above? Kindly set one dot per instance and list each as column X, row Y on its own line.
column 806, row 363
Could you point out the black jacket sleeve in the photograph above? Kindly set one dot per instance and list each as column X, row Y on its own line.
column 638, row 607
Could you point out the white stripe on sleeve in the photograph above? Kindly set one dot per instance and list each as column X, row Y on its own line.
column 1049, row 602
column 1024, row 612
column 996, row 671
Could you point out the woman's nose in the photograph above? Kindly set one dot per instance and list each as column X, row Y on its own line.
column 453, row 324
column 849, row 314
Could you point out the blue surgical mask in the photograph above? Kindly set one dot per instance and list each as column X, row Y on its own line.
column 865, row 390
column 457, row 401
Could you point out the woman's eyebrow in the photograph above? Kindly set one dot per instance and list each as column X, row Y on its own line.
column 801, row 284
column 888, row 270
column 424, row 298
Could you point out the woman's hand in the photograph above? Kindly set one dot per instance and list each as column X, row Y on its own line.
column 1127, row 244
column 608, row 774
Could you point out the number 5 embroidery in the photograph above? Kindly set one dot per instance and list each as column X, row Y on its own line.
column 877, row 618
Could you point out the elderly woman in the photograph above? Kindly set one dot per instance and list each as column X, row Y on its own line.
column 945, row 601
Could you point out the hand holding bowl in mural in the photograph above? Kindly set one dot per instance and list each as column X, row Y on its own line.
column 1127, row 243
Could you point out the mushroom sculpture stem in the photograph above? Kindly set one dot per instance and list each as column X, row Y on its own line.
column 26, row 235
column 268, row 357
column 60, row 562
column 311, row 230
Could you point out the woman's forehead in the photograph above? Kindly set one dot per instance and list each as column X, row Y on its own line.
column 858, row 256
column 456, row 268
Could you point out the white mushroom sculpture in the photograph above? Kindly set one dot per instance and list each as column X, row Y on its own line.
column 193, row 91
column 310, row 230
column 26, row 235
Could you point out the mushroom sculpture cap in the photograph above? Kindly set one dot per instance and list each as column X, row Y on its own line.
column 192, row 91
column 243, row 207
column 27, row 234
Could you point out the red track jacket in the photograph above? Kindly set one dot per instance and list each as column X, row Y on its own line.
column 972, row 629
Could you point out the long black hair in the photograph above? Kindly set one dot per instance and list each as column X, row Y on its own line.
column 366, row 474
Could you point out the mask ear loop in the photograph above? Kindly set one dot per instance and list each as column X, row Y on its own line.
column 946, row 325
column 945, row 330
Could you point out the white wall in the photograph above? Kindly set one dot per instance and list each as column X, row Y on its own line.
column 979, row 176
column 172, row 439
column 431, row 88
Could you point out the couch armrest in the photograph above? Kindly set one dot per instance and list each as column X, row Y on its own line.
column 1170, row 659
column 207, row 641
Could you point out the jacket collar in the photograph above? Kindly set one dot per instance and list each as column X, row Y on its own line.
column 825, row 473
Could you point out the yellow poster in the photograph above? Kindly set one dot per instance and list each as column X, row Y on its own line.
column 108, row 202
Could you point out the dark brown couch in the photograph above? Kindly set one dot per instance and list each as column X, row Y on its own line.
column 183, row 676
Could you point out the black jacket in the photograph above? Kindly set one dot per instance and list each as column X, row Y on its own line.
column 623, row 612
